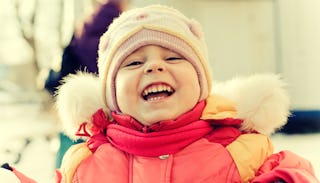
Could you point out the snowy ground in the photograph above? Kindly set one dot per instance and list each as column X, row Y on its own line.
column 29, row 141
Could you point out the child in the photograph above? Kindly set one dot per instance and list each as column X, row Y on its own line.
column 157, row 120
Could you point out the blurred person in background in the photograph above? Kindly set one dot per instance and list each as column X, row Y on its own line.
column 82, row 52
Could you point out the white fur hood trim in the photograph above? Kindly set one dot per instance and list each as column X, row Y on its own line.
column 261, row 101
column 77, row 99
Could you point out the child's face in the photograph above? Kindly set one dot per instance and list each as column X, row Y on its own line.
column 155, row 84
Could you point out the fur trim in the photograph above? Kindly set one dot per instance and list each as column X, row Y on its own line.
column 77, row 100
column 261, row 101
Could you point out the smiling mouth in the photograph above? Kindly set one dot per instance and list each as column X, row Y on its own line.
column 156, row 92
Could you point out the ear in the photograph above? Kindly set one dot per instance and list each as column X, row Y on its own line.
column 78, row 98
column 261, row 101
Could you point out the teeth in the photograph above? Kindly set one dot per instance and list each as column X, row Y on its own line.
column 145, row 93
column 155, row 98
column 156, row 88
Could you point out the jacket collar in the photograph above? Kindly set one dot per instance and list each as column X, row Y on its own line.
column 129, row 122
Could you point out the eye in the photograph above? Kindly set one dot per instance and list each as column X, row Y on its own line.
column 173, row 58
column 133, row 63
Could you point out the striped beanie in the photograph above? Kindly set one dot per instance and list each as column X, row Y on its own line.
column 152, row 25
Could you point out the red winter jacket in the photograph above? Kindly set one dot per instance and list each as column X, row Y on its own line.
column 131, row 154
column 123, row 151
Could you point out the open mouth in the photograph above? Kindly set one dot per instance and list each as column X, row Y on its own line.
column 156, row 92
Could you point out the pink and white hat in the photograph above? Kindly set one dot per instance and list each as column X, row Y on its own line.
column 156, row 25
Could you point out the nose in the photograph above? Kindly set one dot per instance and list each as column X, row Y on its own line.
column 155, row 67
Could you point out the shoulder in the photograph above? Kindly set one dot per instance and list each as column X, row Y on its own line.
column 249, row 151
column 72, row 158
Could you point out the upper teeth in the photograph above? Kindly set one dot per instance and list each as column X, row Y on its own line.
column 157, row 88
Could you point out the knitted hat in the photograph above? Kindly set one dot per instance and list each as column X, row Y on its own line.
column 152, row 25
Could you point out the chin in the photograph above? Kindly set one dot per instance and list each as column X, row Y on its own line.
column 159, row 116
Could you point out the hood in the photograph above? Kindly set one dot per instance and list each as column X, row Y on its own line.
column 260, row 101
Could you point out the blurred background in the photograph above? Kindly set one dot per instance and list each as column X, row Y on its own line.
column 243, row 36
